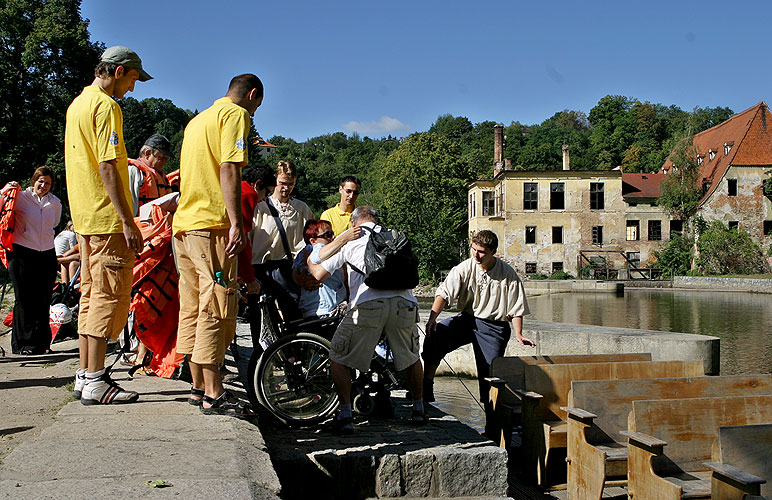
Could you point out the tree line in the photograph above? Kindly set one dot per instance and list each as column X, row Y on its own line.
column 418, row 182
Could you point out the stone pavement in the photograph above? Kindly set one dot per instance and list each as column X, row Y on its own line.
column 115, row 450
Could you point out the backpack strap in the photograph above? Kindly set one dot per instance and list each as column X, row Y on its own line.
column 280, row 227
column 352, row 266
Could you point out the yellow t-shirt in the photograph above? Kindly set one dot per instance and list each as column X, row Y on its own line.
column 215, row 136
column 94, row 133
column 339, row 219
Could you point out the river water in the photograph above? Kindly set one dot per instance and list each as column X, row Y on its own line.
column 743, row 321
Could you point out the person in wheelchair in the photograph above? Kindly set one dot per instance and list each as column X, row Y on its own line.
column 323, row 301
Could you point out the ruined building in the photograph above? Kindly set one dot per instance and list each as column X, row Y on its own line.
column 548, row 221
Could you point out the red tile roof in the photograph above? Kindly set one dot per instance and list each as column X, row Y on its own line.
column 749, row 135
column 641, row 186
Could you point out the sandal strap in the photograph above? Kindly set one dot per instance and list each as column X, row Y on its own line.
column 197, row 392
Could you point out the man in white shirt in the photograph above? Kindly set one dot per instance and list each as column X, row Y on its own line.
column 371, row 313
column 490, row 296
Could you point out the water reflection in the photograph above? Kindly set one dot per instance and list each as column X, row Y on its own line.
column 743, row 321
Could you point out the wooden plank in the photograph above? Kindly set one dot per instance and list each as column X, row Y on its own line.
column 689, row 426
column 749, row 449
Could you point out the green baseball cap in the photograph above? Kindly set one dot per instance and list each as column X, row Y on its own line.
column 127, row 58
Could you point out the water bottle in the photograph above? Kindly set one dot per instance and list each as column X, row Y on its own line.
column 219, row 279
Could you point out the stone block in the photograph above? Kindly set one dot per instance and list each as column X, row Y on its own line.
column 471, row 472
column 388, row 477
column 418, row 471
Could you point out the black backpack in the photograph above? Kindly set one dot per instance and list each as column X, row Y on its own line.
column 390, row 263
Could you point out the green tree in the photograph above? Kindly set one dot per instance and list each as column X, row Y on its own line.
column 729, row 251
column 425, row 196
column 46, row 58
column 680, row 192
column 675, row 257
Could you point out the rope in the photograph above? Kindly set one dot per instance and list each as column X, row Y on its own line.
column 476, row 400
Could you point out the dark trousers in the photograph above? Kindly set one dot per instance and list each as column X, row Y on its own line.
column 33, row 274
column 489, row 340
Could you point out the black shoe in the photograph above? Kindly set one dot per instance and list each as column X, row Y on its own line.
column 342, row 426
column 418, row 418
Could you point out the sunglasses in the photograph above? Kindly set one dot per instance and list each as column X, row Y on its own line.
column 351, row 191
column 329, row 235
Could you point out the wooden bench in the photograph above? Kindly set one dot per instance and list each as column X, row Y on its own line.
column 669, row 439
column 741, row 462
column 598, row 410
column 546, row 391
column 508, row 376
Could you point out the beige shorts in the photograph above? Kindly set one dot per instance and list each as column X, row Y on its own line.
column 207, row 309
column 106, row 273
column 357, row 335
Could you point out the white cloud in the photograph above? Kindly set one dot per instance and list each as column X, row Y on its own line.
column 384, row 125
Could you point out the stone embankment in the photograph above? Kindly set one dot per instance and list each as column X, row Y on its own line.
column 709, row 283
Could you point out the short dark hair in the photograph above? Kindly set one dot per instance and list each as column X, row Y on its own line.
column 242, row 84
column 350, row 178
column 263, row 174
column 105, row 69
column 44, row 170
column 487, row 239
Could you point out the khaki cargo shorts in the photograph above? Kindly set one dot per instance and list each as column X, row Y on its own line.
column 106, row 274
column 357, row 335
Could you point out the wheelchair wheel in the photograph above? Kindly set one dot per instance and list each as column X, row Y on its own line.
column 293, row 380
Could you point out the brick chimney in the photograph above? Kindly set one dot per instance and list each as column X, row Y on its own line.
column 498, row 149
column 566, row 158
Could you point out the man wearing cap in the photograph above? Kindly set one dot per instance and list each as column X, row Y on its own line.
column 208, row 235
column 97, row 171
column 147, row 180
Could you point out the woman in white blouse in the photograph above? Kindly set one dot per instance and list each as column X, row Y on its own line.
column 32, row 264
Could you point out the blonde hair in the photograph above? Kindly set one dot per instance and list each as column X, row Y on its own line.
column 286, row 168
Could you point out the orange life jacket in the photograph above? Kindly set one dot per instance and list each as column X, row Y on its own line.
column 7, row 223
column 155, row 183
column 155, row 299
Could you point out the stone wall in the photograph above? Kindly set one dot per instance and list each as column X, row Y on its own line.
column 717, row 283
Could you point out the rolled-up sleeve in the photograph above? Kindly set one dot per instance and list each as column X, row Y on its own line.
column 518, row 304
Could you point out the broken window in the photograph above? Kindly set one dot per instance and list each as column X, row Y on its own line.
column 488, row 203
column 530, row 234
column 557, row 196
column 557, row 267
column 731, row 186
column 597, row 201
column 557, row 234
column 597, row 235
column 530, row 196
column 530, row 268
column 655, row 230
column 633, row 230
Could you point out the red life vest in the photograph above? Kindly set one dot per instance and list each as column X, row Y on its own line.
column 7, row 217
column 155, row 298
column 155, row 183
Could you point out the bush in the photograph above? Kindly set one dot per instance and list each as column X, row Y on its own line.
column 561, row 275
column 538, row 277
column 675, row 257
column 729, row 251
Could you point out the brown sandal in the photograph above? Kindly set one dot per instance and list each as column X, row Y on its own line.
column 225, row 405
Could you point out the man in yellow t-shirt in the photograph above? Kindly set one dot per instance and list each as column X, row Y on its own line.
column 98, row 189
column 208, row 235
column 340, row 215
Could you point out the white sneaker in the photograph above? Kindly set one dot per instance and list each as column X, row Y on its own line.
column 103, row 391
column 80, row 382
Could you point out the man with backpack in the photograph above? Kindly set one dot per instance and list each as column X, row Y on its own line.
column 490, row 296
column 374, row 311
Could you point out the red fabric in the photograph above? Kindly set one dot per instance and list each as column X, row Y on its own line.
column 7, row 217
column 8, row 321
column 249, row 202
column 156, row 302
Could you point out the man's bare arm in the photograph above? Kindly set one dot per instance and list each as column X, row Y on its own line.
column 108, row 171
column 230, row 185
column 517, row 326
column 317, row 271
column 437, row 306
column 334, row 247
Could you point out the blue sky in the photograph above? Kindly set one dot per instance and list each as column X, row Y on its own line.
column 381, row 68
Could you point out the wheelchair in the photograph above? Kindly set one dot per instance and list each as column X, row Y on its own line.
column 289, row 372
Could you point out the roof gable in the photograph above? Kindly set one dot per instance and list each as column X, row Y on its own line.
column 746, row 135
